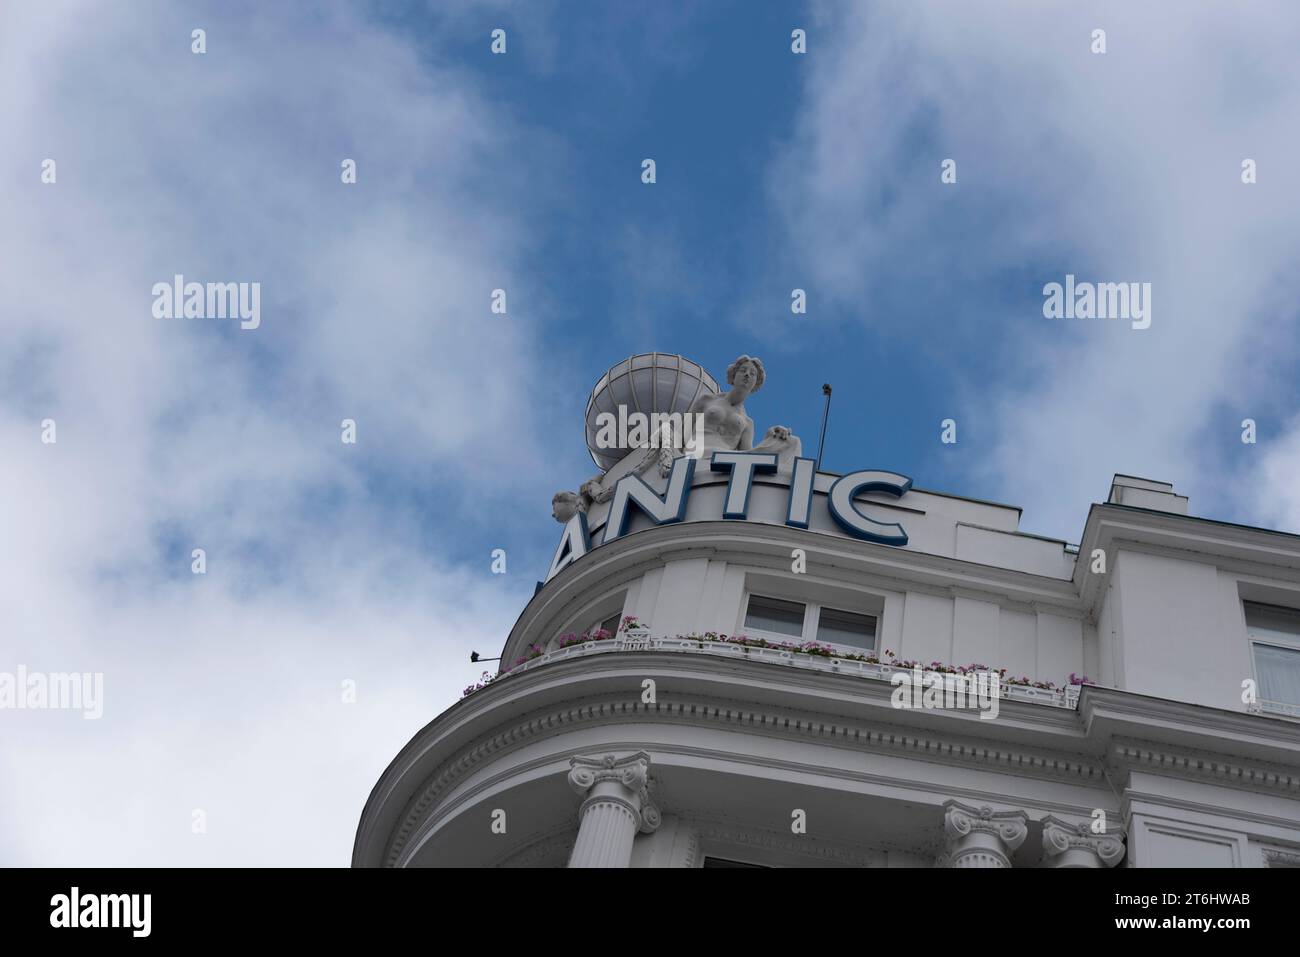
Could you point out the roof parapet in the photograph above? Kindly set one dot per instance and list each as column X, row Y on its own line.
column 1146, row 493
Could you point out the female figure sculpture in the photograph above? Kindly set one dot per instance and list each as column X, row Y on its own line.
column 724, row 424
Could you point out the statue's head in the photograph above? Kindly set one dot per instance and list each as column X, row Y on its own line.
column 565, row 505
column 778, row 433
column 747, row 371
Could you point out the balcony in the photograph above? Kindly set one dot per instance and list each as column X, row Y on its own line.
column 1066, row 697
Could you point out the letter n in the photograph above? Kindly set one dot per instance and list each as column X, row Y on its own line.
column 631, row 490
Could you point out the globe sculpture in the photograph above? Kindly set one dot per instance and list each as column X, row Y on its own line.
column 653, row 382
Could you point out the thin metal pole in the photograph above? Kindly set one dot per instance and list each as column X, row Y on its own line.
column 826, row 414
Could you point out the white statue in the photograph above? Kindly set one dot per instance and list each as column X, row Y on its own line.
column 565, row 505
column 594, row 491
column 726, row 427
column 723, row 426
column 784, row 443
column 661, row 451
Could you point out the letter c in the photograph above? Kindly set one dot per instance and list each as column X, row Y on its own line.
column 847, row 516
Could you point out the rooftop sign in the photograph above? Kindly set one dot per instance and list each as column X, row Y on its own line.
column 663, row 416
column 631, row 495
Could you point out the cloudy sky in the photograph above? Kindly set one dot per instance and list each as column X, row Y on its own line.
column 370, row 563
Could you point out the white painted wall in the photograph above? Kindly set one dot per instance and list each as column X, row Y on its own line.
column 1165, row 622
column 1170, row 624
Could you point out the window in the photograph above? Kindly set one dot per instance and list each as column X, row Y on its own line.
column 773, row 614
column 603, row 615
column 836, row 627
column 1275, row 645
column 783, row 620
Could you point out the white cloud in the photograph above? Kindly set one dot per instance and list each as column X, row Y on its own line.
column 1117, row 167
column 222, row 692
column 1276, row 479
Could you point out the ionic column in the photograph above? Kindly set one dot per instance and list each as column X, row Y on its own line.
column 1069, row 844
column 616, row 806
column 980, row 836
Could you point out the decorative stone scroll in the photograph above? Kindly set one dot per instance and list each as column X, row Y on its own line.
column 1073, row 844
column 980, row 836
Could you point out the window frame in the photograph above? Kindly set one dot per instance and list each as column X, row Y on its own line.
column 612, row 605
column 1289, row 708
column 812, row 611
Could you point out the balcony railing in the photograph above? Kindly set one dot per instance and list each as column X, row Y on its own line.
column 1275, row 707
column 1066, row 697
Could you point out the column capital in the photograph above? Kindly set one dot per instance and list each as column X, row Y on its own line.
column 1075, row 844
column 625, row 781
column 980, row 836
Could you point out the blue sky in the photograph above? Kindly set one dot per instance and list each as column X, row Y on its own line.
column 371, row 563
column 940, row 312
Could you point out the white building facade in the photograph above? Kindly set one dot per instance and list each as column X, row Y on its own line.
column 729, row 660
